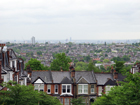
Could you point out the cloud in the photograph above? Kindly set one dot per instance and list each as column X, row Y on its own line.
column 60, row 19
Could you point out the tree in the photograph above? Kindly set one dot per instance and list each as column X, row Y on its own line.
column 106, row 60
column 87, row 58
column 35, row 65
column 60, row 61
column 24, row 95
column 92, row 67
column 119, row 66
column 81, row 66
column 105, row 44
column 39, row 53
column 126, row 94
column 106, row 55
column 78, row 101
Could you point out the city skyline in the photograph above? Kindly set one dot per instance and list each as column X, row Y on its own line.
column 78, row 19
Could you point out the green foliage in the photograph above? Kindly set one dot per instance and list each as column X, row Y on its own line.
column 87, row 58
column 24, row 95
column 60, row 61
column 136, row 62
column 78, row 101
column 46, row 42
column 39, row 53
column 22, row 58
column 35, row 65
column 16, row 50
column 124, row 58
column 92, row 67
column 106, row 55
column 29, row 54
column 126, row 94
column 106, row 60
column 76, row 60
column 108, row 50
column 119, row 66
column 81, row 66
column 98, row 51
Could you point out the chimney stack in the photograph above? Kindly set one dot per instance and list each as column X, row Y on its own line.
column 73, row 73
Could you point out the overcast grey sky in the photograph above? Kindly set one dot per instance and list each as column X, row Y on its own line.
column 62, row 19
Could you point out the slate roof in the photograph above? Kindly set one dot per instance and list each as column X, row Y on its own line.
column 121, row 77
column 88, row 75
column 44, row 75
column 110, row 82
column 65, row 80
column 103, row 78
column 59, row 76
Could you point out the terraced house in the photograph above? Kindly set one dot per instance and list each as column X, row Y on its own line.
column 64, row 85
column 11, row 67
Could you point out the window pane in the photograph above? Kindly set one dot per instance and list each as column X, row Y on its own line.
column 64, row 88
column 68, row 89
column 56, row 88
column 36, row 86
column 79, row 88
column 66, row 101
column 92, row 88
column 49, row 88
column 85, row 88
column 61, row 100
column 100, row 89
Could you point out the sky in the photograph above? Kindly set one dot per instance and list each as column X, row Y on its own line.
column 62, row 19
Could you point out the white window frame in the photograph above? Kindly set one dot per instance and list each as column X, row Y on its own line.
column 55, row 89
column 48, row 87
column 100, row 93
column 92, row 89
column 108, row 88
column 38, row 87
column 8, row 76
column 67, row 99
column 66, row 88
column 83, row 88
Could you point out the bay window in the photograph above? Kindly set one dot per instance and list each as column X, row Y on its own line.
column 83, row 89
column 66, row 88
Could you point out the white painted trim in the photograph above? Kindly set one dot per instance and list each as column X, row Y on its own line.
column 82, row 89
column 38, row 81
column 66, row 88
column 57, row 89
column 49, row 88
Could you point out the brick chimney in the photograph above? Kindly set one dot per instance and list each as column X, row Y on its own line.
column 115, row 75
column 73, row 73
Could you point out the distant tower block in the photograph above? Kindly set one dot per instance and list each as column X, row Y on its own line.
column 33, row 40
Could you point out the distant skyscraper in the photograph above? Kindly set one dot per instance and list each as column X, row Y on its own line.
column 33, row 40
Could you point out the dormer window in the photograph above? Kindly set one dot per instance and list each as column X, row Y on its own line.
column 66, row 88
